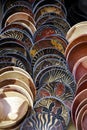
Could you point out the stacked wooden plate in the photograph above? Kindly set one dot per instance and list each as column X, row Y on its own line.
column 76, row 56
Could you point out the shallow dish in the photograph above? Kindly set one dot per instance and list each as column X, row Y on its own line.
column 58, row 74
column 48, row 8
column 15, row 102
column 46, row 30
column 77, row 40
column 48, row 62
column 79, row 117
column 78, row 51
column 82, row 86
column 84, row 77
column 7, row 4
column 82, row 103
column 18, row 82
column 42, row 121
column 46, row 43
column 50, row 56
column 19, row 35
column 26, row 45
column 22, row 61
column 79, row 98
column 55, row 106
column 46, row 51
column 80, row 68
column 57, row 89
column 60, row 23
column 12, row 10
column 21, row 76
column 16, row 47
column 55, row 2
column 43, row 18
column 76, row 31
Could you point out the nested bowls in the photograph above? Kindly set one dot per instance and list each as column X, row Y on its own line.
column 79, row 68
column 78, row 51
column 17, row 93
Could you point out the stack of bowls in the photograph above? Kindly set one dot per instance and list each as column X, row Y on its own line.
column 17, row 95
column 17, row 88
column 18, row 22
column 54, row 82
column 33, row 43
column 76, row 56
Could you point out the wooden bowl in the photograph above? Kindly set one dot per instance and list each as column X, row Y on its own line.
column 13, row 108
column 79, row 98
column 84, row 77
column 82, row 103
column 78, row 51
column 21, row 76
column 18, row 82
column 80, row 68
column 19, row 89
column 48, row 8
column 84, row 120
column 19, row 16
column 76, row 31
column 79, row 117
column 82, row 86
column 81, row 38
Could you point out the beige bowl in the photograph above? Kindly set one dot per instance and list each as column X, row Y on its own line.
column 19, row 16
column 13, row 108
column 17, row 88
column 16, row 72
column 16, row 82
column 76, row 31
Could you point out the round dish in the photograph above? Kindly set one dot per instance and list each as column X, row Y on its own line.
column 80, row 68
column 76, row 31
column 21, row 76
column 78, row 51
column 55, row 106
column 42, row 44
column 48, row 8
column 77, row 40
column 79, row 98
